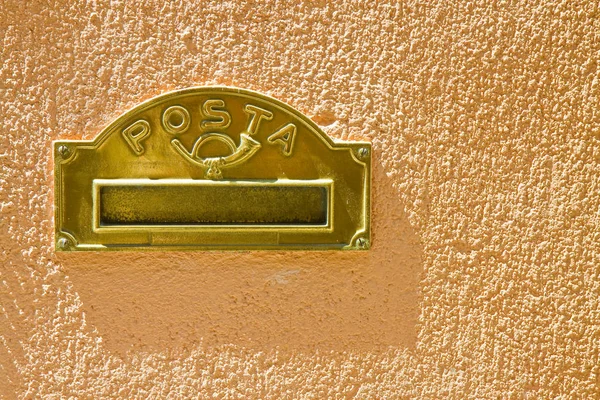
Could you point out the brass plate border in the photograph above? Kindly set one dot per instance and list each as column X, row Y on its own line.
column 65, row 151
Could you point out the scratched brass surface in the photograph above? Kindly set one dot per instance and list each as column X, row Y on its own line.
column 212, row 168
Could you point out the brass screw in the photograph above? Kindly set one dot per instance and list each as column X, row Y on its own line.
column 362, row 243
column 363, row 152
column 64, row 243
column 63, row 151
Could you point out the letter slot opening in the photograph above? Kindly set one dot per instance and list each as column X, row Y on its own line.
column 172, row 203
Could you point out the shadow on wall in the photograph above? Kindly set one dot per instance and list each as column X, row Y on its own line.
column 298, row 301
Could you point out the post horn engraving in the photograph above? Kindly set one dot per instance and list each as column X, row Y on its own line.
column 213, row 165
column 247, row 148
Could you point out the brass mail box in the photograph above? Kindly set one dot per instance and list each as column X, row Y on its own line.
column 212, row 168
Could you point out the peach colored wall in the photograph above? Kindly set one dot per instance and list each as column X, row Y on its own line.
column 484, row 276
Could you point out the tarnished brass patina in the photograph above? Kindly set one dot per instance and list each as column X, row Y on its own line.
column 212, row 168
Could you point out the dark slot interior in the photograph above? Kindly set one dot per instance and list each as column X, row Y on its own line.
column 129, row 205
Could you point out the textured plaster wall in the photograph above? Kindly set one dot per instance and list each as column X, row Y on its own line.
column 484, row 276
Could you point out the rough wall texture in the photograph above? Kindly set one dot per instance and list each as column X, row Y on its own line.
column 484, row 278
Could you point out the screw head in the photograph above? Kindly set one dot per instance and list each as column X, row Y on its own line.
column 362, row 243
column 363, row 152
column 63, row 150
column 64, row 243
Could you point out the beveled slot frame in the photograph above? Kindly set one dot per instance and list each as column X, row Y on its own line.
column 98, row 184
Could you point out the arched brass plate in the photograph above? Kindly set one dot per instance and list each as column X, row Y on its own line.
column 212, row 168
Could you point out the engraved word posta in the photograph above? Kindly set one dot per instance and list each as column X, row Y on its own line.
column 213, row 115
